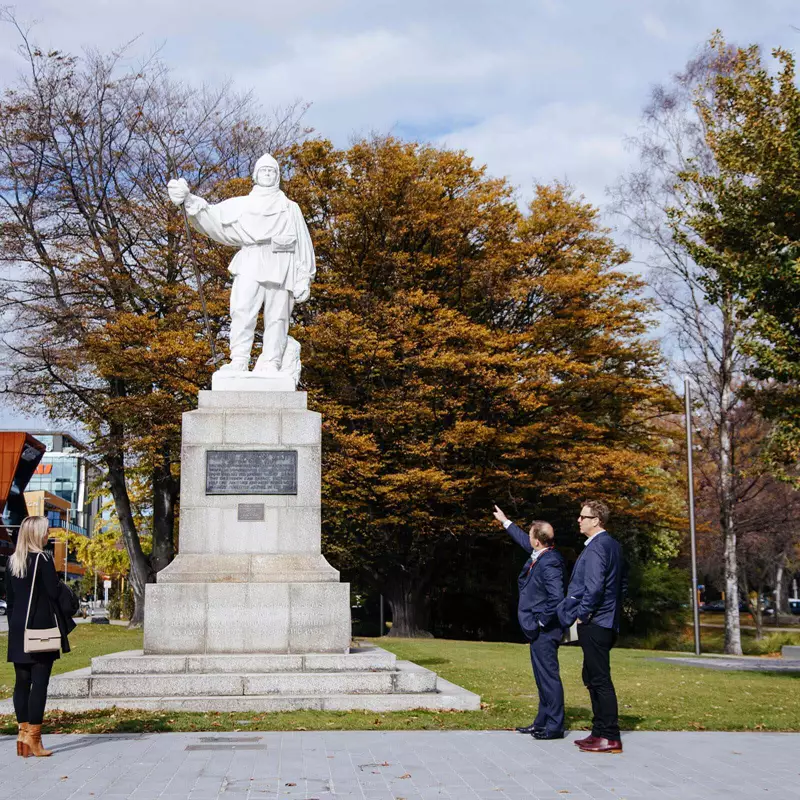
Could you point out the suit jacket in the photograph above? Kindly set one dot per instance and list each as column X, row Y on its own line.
column 541, row 587
column 597, row 585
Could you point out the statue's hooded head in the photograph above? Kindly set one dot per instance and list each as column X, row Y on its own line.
column 267, row 173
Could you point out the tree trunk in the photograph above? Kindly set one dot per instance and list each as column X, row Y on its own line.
column 410, row 603
column 758, row 614
column 165, row 495
column 141, row 572
column 727, row 488
column 780, row 599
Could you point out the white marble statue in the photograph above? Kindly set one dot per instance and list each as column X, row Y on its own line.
column 273, row 269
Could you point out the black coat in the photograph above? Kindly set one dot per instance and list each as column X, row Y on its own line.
column 45, row 611
column 541, row 587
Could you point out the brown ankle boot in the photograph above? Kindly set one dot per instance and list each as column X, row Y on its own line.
column 34, row 741
column 22, row 744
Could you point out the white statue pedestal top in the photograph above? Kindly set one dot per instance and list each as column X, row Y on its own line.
column 251, row 382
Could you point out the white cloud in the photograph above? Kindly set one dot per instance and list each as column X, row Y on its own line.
column 578, row 143
column 335, row 67
column 655, row 27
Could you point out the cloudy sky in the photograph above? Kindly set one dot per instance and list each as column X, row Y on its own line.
column 535, row 89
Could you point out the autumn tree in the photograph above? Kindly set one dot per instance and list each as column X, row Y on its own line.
column 766, row 527
column 461, row 353
column 99, row 302
column 705, row 327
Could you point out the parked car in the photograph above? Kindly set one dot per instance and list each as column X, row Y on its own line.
column 3, row 608
column 794, row 605
column 719, row 606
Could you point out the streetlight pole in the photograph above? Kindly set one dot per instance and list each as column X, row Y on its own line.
column 687, row 392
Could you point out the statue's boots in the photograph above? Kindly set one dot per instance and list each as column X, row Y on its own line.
column 237, row 365
column 266, row 366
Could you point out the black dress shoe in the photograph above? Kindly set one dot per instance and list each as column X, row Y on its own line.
column 530, row 729
column 546, row 735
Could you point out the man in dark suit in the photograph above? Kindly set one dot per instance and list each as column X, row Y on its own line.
column 541, row 589
column 594, row 599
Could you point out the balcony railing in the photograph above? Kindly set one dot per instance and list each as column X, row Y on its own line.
column 70, row 526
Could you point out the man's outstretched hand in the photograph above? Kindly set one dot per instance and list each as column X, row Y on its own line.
column 499, row 515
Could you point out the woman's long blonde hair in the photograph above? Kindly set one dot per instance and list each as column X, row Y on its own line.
column 32, row 538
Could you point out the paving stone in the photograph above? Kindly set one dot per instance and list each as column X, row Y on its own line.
column 466, row 765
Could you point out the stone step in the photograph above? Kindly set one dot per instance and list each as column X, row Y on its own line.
column 448, row 696
column 407, row 679
column 134, row 662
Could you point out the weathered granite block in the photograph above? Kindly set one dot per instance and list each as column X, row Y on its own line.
column 252, row 400
column 254, row 428
column 175, row 618
column 412, row 679
column 166, row 685
column 319, row 683
column 320, row 617
column 301, row 428
column 247, row 618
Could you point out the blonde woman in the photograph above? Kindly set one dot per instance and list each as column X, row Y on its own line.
column 32, row 669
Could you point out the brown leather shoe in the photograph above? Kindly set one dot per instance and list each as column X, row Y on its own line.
column 586, row 740
column 602, row 746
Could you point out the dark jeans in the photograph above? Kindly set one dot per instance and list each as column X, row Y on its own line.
column 596, row 643
column 30, row 691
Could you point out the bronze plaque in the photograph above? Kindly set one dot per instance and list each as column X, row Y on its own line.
column 251, row 472
column 250, row 512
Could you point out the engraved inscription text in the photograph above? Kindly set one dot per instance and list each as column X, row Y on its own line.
column 251, row 472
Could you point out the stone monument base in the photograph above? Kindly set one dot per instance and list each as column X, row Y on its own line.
column 367, row 678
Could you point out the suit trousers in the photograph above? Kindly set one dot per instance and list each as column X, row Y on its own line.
column 544, row 659
column 596, row 643
column 248, row 297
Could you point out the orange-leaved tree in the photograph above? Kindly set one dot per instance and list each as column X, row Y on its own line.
column 464, row 353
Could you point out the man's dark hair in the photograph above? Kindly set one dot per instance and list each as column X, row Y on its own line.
column 599, row 509
column 543, row 532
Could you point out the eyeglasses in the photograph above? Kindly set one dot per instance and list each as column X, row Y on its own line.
column 586, row 516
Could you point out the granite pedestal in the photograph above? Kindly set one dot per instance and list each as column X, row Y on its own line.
column 250, row 615
column 250, row 576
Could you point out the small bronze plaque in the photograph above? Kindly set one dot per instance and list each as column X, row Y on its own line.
column 251, row 472
column 250, row 512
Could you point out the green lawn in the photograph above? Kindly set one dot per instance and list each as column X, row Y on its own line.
column 86, row 642
column 653, row 695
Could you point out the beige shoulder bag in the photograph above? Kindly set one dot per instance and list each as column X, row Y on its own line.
column 47, row 640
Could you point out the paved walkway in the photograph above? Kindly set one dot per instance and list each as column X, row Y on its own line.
column 413, row 765
column 735, row 663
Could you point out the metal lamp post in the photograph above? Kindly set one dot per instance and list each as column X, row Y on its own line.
column 692, row 532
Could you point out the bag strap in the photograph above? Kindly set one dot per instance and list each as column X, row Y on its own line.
column 33, row 584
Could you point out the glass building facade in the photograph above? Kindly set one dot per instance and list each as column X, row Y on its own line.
column 65, row 472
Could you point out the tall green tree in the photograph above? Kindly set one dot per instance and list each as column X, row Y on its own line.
column 748, row 226
column 464, row 353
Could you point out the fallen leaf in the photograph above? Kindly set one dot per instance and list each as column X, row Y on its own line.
column 294, row 784
column 408, row 775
